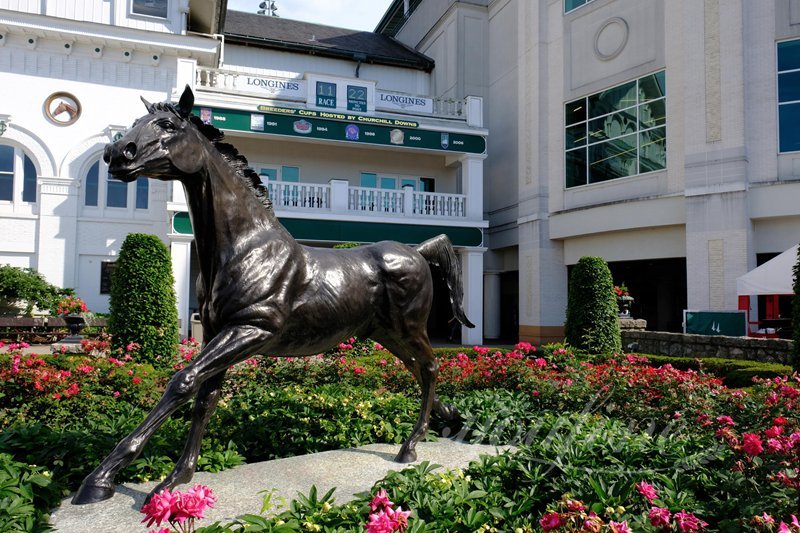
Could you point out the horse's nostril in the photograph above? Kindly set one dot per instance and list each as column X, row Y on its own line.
column 129, row 151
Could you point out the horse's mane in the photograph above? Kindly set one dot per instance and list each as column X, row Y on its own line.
column 228, row 152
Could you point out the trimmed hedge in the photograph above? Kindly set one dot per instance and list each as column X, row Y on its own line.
column 143, row 307
column 796, row 315
column 592, row 313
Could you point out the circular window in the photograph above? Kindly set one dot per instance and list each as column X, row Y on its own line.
column 62, row 108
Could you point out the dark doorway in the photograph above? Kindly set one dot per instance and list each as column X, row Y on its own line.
column 658, row 287
column 509, row 307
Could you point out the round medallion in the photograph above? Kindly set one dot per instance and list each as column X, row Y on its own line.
column 62, row 108
column 611, row 38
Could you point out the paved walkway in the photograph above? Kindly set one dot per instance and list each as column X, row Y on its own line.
column 350, row 471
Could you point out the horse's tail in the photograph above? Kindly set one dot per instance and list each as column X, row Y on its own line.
column 439, row 253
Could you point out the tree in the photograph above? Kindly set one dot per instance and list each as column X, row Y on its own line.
column 796, row 315
column 592, row 313
column 29, row 287
column 143, row 307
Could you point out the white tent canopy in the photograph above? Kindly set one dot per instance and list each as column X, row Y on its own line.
column 773, row 277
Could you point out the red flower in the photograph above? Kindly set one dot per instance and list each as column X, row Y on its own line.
column 137, row 380
column 751, row 444
column 551, row 521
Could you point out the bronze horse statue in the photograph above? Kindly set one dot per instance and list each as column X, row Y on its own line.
column 261, row 292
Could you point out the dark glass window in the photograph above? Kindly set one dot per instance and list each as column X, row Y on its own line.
column 151, row 8
column 569, row 5
column 142, row 192
column 6, row 173
column 788, row 96
column 92, row 184
column 624, row 132
column 116, row 193
column 29, row 181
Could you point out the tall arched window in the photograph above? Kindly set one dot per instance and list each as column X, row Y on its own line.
column 99, row 185
column 17, row 175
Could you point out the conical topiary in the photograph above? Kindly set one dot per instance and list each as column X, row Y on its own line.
column 592, row 314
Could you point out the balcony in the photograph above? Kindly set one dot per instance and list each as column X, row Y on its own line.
column 231, row 82
column 340, row 197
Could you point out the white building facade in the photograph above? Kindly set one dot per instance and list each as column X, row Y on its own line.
column 354, row 146
column 659, row 135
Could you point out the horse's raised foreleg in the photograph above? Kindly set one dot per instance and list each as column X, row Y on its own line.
column 417, row 354
column 204, row 405
column 228, row 347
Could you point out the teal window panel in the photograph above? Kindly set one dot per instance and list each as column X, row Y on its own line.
column 290, row 174
column 369, row 179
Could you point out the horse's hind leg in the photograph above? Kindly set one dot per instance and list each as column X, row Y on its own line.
column 204, row 405
column 417, row 354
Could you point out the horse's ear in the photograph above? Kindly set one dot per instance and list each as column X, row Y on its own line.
column 186, row 102
column 150, row 107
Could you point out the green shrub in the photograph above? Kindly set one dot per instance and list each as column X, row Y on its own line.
column 142, row 305
column 735, row 373
column 28, row 286
column 796, row 315
column 26, row 492
column 592, row 313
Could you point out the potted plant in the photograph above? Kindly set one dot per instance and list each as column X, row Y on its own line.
column 71, row 309
column 624, row 300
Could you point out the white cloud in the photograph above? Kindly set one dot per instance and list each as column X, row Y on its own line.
column 352, row 14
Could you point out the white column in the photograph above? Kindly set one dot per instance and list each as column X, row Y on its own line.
column 472, row 279
column 472, row 185
column 339, row 191
column 180, row 248
column 491, row 305
column 408, row 200
column 186, row 75
column 57, row 233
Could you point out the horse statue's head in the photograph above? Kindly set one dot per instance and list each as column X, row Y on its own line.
column 162, row 144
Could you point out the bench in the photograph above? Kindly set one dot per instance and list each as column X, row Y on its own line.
column 41, row 330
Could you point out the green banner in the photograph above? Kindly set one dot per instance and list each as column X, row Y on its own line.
column 346, row 231
column 728, row 323
column 333, row 126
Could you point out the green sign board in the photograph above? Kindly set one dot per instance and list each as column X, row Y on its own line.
column 357, row 98
column 728, row 323
column 333, row 126
column 326, row 94
column 346, row 231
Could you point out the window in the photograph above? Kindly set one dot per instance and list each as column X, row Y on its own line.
column 17, row 175
column 151, row 8
column 788, row 96
column 569, row 5
column 277, row 173
column 616, row 133
column 116, row 194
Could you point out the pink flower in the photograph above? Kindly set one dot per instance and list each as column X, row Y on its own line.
column 380, row 523
column 380, row 500
column 159, row 508
column 619, row 527
column 751, row 444
column 137, row 380
column 162, row 530
column 774, row 446
column 399, row 517
column 647, row 490
column 359, row 370
column 726, row 420
column 551, row 521
column 774, row 431
column 688, row 521
column 659, row 516
column 116, row 393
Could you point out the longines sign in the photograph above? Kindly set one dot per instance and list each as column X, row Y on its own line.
column 286, row 88
column 403, row 102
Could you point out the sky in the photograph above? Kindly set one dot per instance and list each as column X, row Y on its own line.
column 351, row 14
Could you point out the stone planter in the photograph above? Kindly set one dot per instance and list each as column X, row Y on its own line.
column 74, row 323
column 624, row 303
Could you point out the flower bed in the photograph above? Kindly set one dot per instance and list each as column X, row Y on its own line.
column 589, row 433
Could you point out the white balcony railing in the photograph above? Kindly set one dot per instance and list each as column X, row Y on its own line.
column 365, row 201
column 386, row 201
column 222, row 80
column 437, row 204
column 295, row 195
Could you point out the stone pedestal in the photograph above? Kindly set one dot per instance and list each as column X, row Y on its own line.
column 632, row 324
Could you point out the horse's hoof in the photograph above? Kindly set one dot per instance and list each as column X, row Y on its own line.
column 449, row 413
column 406, row 456
column 92, row 494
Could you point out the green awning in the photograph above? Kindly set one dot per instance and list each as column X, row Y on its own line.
column 346, row 231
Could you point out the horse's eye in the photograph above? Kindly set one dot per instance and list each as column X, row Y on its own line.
column 169, row 126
